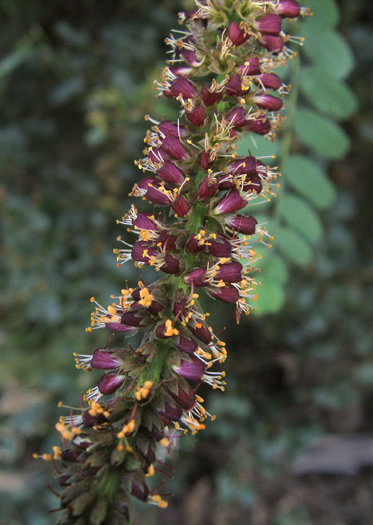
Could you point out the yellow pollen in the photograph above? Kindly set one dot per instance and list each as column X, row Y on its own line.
column 164, row 442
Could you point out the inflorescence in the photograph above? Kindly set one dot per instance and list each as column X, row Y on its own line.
column 220, row 70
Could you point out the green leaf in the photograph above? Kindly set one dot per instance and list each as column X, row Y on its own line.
column 321, row 134
column 258, row 145
column 307, row 178
column 329, row 51
column 273, row 267
column 293, row 246
column 325, row 14
column 271, row 297
column 299, row 214
column 326, row 93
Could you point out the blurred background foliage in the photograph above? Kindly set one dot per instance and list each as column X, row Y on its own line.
column 292, row 443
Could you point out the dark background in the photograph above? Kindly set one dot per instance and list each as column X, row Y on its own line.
column 75, row 83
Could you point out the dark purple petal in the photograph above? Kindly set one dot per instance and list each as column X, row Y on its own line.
column 236, row 35
column 250, row 67
column 143, row 222
column 241, row 224
column 259, row 125
column 197, row 116
column 150, row 185
column 268, row 102
column 287, row 8
column 194, row 246
column 142, row 252
column 234, row 87
column 207, row 189
column 196, row 277
column 275, row 44
column 181, row 86
column 170, row 412
column 171, row 265
column 180, row 206
column 228, row 294
column 132, row 319
column 221, row 248
column 109, row 383
column 170, row 173
column 206, row 161
column 270, row 24
column 230, row 203
column 104, row 360
column 167, row 127
column 186, row 345
column 173, row 147
column 230, row 272
column 186, row 399
column 210, row 97
column 192, row 370
column 203, row 334
column 118, row 327
column 269, row 80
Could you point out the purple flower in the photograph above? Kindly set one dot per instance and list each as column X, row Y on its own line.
column 104, row 360
column 192, row 369
column 234, row 87
column 180, row 206
column 287, row 8
column 181, row 86
column 186, row 345
column 230, row 272
column 230, row 203
column 196, row 277
column 275, row 44
column 227, row 294
column 250, row 67
column 150, row 186
column 166, row 127
column 185, row 396
column 270, row 24
column 268, row 102
column 236, row 35
column 269, row 80
column 197, row 116
column 207, row 189
column 110, row 382
column 241, row 224
column 173, row 147
column 210, row 96
column 170, row 173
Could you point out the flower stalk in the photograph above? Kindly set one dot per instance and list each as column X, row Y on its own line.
column 197, row 236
